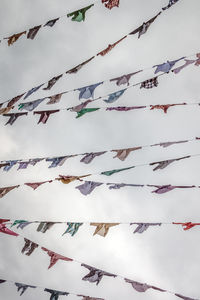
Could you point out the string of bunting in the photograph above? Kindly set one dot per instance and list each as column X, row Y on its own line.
column 54, row 294
column 95, row 275
column 88, row 186
column 87, row 93
column 101, row 229
column 50, row 83
column 78, row 16
column 87, row 158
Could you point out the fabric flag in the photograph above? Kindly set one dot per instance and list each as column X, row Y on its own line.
column 161, row 189
column 4, row 221
column 142, row 287
column 35, row 185
column 103, row 228
column 5, row 110
column 84, row 111
column 54, row 257
column 33, row 90
column 23, row 165
column 124, row 79
column 171, row 2
column 55, row 99
column 14, row 100
column 122, row 154
column 197, row 63
column 3, row 165
column 87, row 187
column 187, row 63
column 2, row 281
column 10, row 164
column 55, row 294
column 167, row 144
column 187, row 225
column 5, row 190
column 72, row 228
column 149, row 83
column 88, row 157
column 110, row 47
column 87, row 92
column 45, row 114
column 144, row 226
column 58, row 161
column 68, row 179
column 4, row 229
column 52, row 81
column 79, row 15
column 13, row 117
column 44, row 226
column 124, row 108
column 21, row 224
column 23, row 287
column 117, row 186
column 165, row 107
column 51, row 23
column 79, row 107
column 78, row 67
column 89, row 298
column 144, row 27
column 13, row 38
column 30, row 105
column 110, row 3
column 95, row 275
column 29, row 247
column 163, row 164
column 111, row 172
column 114, row 96
column 166, row 67
column 33, row 31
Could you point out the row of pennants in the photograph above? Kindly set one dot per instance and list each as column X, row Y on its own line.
column 73, row 227
column 87, row 158
column 78, row 16
column 94, row 276
column 87, row 92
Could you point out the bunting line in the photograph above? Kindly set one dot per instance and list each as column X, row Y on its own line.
column 22, row 287
column 89, row 186
column 142, row 29
column 95, row 275
column 87, row 158
column 101, row 229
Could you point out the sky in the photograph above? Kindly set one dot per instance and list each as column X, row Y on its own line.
column 167, row 257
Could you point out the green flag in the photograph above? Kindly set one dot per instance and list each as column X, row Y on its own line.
column 108, row 173
column 84, row 111
column 79, row 15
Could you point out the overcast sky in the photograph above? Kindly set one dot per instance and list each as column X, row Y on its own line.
column 167, row 256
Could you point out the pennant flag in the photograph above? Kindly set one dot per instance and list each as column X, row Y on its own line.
column 55, row 294
column 4, row 229
column 149, row 83
column 44, row 226
column 88, row 157
column 124, row 79
column 187, row 63
column 21, row 224
column 5, row 190
column 9, row 165
column 142, row 287
column 84, row 111
column 13, row 117
column 183, row 297
column 114, row 96
column 68, row 179
column 165, row 107
column 77, row 68
column 72, row 228
column 144, row 226
column 54, row 257
column 103, row 228
column 33, row 31
column 144, row 27
column 110, row 3
column 87, row 92
column 54, row 99
column 163, row 164
column 51, row 23
column 87, row 187
column 29, row 247
column 79, row 15
column 5, row 110
column 23, row 287
column 109, row 173
column 95, row 275
column 30, row 105
column 110, row 47
column 33, row 90
column 161, row 189
column 13, row 38
column 79, row 107
column 167, row 144
column 52, row 81
column 122, row 154
column 35, row 185
column 187, row 225
column 166, row 67
column 14, row 100
column 58, row 161
column 45, row 114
